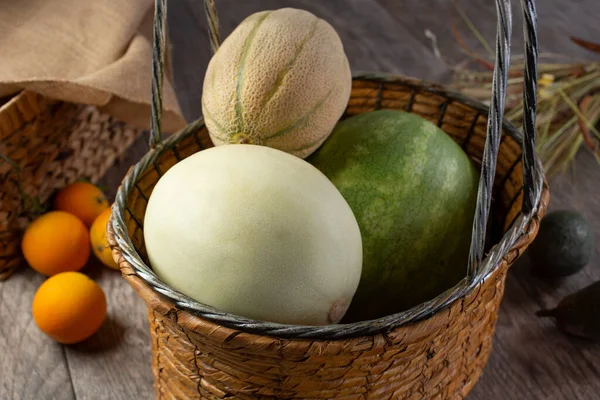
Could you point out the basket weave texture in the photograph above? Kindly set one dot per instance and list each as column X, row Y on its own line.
column 54, row 144
column 440, row 357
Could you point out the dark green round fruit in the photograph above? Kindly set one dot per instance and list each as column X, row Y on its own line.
column 563, row 246
column 413, row 191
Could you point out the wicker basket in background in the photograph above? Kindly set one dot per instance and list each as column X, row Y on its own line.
column 436, row 350
column 52, row 143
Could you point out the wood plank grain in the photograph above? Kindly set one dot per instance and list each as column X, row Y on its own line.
column 556, row 23
column 32, row 366
column 190, row 51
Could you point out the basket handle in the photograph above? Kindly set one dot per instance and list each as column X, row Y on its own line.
column 158, row 60
column 531, row 172
column 531, row 167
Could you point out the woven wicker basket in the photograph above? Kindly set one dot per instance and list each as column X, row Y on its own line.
column 52, row 143
column 435, row 350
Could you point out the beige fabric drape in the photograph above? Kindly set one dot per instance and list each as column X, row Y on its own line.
column 96, row 52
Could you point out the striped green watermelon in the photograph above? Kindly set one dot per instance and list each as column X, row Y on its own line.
column 413, row 191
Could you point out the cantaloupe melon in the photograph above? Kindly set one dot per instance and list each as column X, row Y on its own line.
column 281, row 79
column 255, row 232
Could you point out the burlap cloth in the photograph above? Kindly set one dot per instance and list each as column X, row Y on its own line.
column 84, row 51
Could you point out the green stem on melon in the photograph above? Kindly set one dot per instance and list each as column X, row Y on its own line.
column 241, row 138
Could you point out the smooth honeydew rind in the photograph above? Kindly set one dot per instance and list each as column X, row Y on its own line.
column 255, row 232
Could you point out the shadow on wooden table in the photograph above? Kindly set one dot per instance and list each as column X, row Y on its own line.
column 109, row 337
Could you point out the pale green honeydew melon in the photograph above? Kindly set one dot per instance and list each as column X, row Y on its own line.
column 256, row 232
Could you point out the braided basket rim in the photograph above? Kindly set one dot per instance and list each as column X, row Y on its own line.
column 126, row 255
column 15, row 97
column 10, row 102
column 24, row 97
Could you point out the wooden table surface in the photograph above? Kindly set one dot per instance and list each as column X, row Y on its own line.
column 531, row 360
